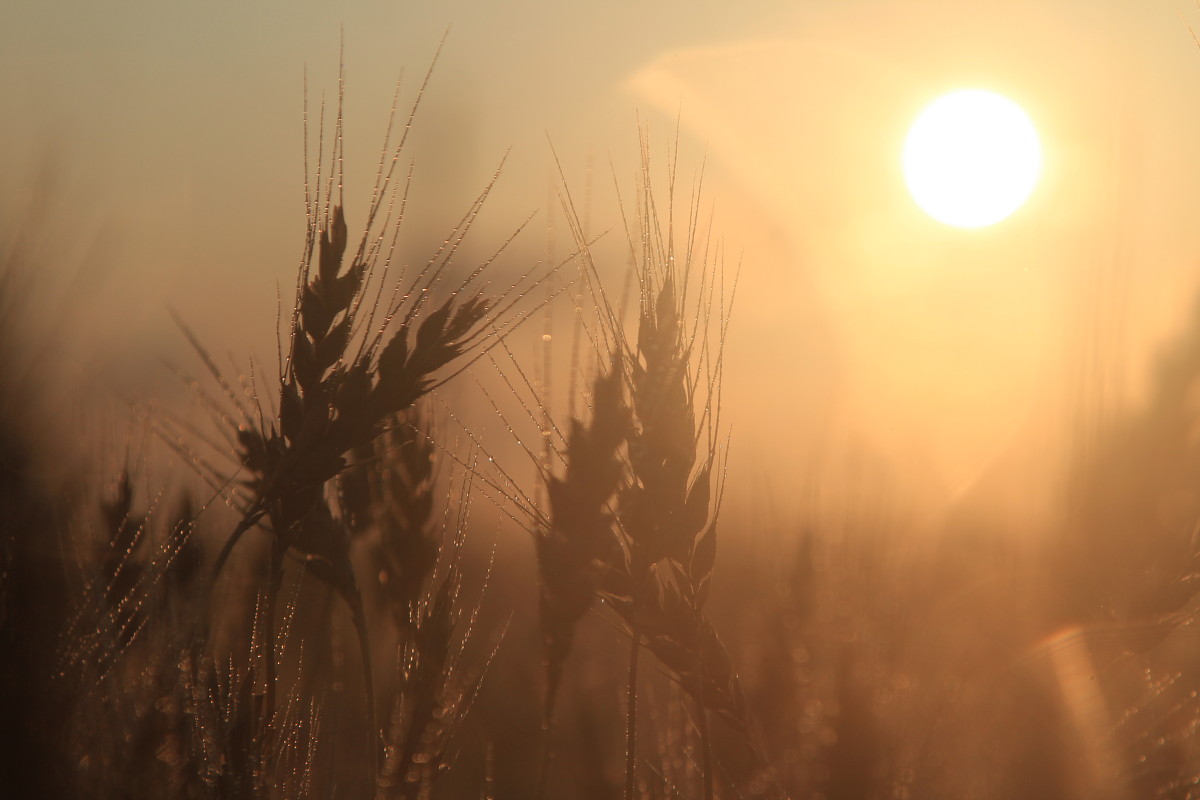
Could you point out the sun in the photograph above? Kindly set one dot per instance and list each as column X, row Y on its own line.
column 972, row 158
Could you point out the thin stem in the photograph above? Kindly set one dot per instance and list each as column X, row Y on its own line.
column 543, row 762
column 247, row 522
column 278, row 548
column 706, row 753
column 631, row 714
column 355, row 601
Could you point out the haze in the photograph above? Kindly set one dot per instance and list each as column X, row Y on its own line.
column 953, row 361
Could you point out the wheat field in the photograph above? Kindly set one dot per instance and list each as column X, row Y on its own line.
column 520, row 504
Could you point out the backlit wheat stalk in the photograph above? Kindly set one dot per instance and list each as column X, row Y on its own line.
column 633, row 518
column 365, row 341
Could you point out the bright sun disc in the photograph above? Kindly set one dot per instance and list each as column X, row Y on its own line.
column 971, row 158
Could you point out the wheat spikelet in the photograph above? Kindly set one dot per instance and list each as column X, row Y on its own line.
column 386, row 499
column 579, row 545
column 434, row 691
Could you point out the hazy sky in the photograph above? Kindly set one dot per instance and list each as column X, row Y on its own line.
column 171, row 135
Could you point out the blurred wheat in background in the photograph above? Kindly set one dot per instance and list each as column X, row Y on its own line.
column 644, row 475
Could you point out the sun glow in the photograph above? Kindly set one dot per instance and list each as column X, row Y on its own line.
column 971, row 158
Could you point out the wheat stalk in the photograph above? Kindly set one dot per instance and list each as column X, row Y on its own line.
column 634, row 517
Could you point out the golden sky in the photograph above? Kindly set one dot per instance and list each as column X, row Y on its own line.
column 171, row 134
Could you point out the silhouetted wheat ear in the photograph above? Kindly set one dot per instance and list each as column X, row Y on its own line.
column 434, row 693
column 120, row 570
column 408, row 545
column 332, row 403
column 665, row 521
column 666, row 511
column 685, row 643
column 580, row 546
column 661, row 516
column 416, row 740
column 387, row 499
column 230, row 755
